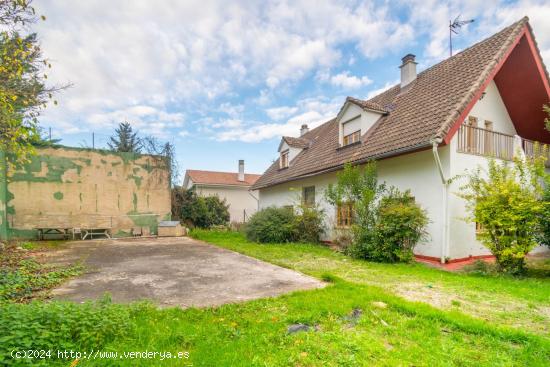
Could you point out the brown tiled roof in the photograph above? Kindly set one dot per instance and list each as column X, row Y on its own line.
column 220, row 178
column 296, row 142
column 367, row 105
column 424, row 110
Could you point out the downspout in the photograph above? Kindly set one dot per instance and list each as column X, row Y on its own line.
column 3, row 196
column 255, row 198
column 445, row 182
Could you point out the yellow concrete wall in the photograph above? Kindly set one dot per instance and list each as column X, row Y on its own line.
column 72, row 187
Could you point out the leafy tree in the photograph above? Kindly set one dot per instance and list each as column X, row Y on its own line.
column 167, row 151
column 360, row 188
column 125, row 139
column 506, row 201
column 23, row 92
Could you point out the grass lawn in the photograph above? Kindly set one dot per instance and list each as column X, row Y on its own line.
column 523, row 303
column 365, row 316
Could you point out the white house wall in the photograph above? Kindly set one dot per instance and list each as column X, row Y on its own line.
column 463, row 242
column 416, row 171
column 492, row 108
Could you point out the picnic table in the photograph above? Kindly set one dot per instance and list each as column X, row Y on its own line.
column 70, row 232
column 43, row 231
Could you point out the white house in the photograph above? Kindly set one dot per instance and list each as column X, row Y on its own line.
column 485, row 100
column 234, row 187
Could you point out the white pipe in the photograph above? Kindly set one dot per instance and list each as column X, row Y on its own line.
column 255, row 198
column 445, row 182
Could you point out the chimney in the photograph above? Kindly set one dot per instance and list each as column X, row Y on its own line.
column 304, row 129
column 408, row 70
column 241, row 170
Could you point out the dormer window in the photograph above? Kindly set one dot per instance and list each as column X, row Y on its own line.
column 355, row 119
column 352, row 138
column 283, row 162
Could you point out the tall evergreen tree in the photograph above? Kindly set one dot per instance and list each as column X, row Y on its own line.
column 125, row 139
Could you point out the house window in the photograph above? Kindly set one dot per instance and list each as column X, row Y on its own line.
column 352, row 138
column 290, row 208
column 308, row 195
column 284, row 159
column 344, row 215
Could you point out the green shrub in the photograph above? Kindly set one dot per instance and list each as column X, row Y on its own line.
column 506, row 201
column 271, row 225
column 308, row 223
column 60, row 326
column 400, row 224
column 198, row 211
column 387, row 223
column 277, row 225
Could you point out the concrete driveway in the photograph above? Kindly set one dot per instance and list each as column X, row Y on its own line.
column 172, row 272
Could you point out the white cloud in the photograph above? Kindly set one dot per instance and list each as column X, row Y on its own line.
column 147, row 119
column 279, row 113
column 431, row 18
column 228, row 123
column 232, row 110
column 310, row 111
column 168, row 55
column 347, row 81
column 155, row 63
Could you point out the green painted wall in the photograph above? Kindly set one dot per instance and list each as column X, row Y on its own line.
column 75, row 187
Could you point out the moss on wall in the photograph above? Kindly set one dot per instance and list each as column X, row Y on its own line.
column 45, row 168
column 79, row 187
column 148, row 220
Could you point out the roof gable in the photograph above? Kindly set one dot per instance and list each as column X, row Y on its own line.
column 199, row 177
column 294, row 142
column 430, row 107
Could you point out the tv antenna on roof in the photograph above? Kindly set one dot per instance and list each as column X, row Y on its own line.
column 454, row 27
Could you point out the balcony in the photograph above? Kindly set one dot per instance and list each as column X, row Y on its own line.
column 488, row 143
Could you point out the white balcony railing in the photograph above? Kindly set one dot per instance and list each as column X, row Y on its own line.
column 478, row 141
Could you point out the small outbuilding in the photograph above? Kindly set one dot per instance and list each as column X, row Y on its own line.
column 170, row 228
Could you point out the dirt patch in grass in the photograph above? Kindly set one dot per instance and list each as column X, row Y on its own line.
column 482, row 305
column 23, row 278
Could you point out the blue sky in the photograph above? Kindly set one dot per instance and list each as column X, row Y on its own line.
column 223, row 81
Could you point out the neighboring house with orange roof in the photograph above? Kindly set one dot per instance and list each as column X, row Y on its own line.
column 484, row 101
column 234, row 187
